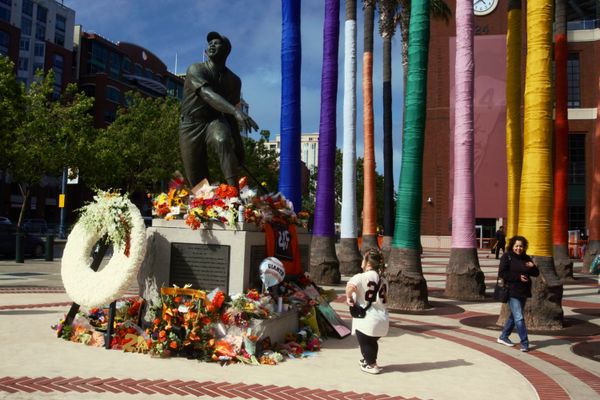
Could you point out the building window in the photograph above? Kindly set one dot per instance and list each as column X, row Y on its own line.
column 574, row 96
column 576, row 217
column 576, row 159
column 25, row 26
column 113, row 94
column 109, row 117
column 59, row 34
column 58, row 62
column 38, row 65
column 24, row 44
column 4, row 42
column 28, row 7
column 42, row 14
column 98, row 58
column 127, row 65
column 5, row 10
column 115, row 65
column 89, row 90
column 23, row 63
column 139, row 71
column 40, row 31
column 38, row 49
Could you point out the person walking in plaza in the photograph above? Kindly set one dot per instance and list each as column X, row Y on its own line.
column 516, row 269
column 500, row 241
column 368, row 290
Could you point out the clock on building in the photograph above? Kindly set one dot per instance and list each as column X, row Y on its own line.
column 484, row 7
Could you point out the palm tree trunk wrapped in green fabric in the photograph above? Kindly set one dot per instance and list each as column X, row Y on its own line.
column 348, row 253
column 324, row 265
column 407, row 288
column 464, row 278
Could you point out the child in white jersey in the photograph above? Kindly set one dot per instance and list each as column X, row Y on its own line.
column 368, row 290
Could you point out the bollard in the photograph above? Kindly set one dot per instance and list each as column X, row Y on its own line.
column 19, row 256
column 49, row 247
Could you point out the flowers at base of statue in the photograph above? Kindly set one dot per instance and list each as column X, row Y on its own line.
column 245, row 307
column 130, row 338
column 266, row 208
column 187, row 323
column 109, row 212
column 171, row 204
column 214, row 203
column 79, row 331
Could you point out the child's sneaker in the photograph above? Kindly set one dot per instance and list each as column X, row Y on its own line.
column 505, row 341
column 525, row 349
column 371, row 369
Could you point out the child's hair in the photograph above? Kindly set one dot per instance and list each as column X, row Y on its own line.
column 374, row 257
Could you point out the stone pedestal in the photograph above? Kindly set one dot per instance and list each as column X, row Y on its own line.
column 207, row 258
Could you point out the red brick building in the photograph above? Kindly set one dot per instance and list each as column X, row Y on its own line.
column 490, row 118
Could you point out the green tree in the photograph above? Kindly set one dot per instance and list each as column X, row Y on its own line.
column 139, row 150
column 42, row 135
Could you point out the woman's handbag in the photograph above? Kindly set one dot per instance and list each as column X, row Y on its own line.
column 357, row 311
column 500, row 292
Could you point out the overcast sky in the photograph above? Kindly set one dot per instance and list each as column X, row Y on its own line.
column 176, row 30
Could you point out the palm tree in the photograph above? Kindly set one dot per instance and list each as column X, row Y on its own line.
column 348, row 254
column 407, row 286
column 324, row 265
column 464, row 278
column 514, row 142
column 535, row 203
column 562, row 261
column 291, row 55
column 593, row 247
column 388, row 10
column 369, row 211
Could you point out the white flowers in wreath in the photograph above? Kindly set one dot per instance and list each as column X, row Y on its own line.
column 115, row 216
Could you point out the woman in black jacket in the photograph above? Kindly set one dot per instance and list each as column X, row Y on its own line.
column 516, row 268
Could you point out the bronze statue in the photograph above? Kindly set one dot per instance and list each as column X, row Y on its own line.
column 209, row 116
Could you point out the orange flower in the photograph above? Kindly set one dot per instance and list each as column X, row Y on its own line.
column 173, row 344
column 218, row 300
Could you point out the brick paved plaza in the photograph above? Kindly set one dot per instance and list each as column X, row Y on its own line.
column 449, row 352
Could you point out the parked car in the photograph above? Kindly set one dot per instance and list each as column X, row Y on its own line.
column 36, row 226
column 32, row 245
column 5, row 221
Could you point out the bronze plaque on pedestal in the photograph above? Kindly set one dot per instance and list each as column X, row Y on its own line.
column 204, row 266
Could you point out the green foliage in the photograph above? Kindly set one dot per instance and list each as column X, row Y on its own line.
column 39, row 136
column 138, row 150
column 308, row 200
column 12, row 107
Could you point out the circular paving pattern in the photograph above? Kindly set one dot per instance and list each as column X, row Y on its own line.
column 572, row 326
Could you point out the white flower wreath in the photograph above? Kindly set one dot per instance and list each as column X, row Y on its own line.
column 121, row 220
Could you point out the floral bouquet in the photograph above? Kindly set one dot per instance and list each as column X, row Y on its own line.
column 187, row 323
column 214, row 203
column 109, row 211
column 245, row 307
column 170, row 205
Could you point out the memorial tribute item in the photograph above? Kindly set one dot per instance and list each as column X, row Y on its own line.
column 115, row 218
column 209, row 116
column 271, row 272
